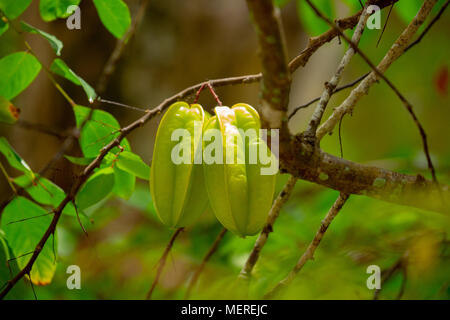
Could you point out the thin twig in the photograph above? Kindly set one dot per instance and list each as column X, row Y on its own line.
column 78, row 218
column 162, row 262
column 8, row 178
column 268, row 228
column 385, row 24
column 309, row 253
column 206, row 258
column 346, row 86
column 114, row 103
column 331, row 85
column 377, row 72
column 399, row 266
column 40, row 128
column 356, row 81
column 211, row 90
column 340, row 136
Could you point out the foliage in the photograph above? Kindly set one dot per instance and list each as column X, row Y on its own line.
column 365, row 232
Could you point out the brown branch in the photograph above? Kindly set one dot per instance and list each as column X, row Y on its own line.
column 354, row 178
column 309, row 253
column 378, row 72
column 206, row 258
column 162, row 262
column 345, row 86
column 268, row 228
column 276, row 74
column 331, row 85
column 40, row 128
column 356, row 81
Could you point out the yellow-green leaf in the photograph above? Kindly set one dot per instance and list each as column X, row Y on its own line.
column 24, row 224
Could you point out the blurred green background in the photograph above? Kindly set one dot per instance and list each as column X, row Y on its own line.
column 181, row 43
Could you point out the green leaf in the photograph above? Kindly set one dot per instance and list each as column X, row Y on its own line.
column 97, row 187
column 114, row 15
column 8, row 112
column 4, row 26
column 46, row 192
column 54, row 9
column 13, row 158
column 79, row 161
column 24, row 224
column 8, row 267
column 133, row 164
column 14, row 8
column 17, row 71
column 124, row 183
column 60, row 68
column 310, row 21
column 100, row 130
column 56, row 44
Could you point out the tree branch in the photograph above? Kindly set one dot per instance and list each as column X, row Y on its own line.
column 268, row 228
column 330, row 86
column 378, row 72
column 309, row 253
column 354, row 178
column 162, row 262
column 356, row 81
column 206, row 258
column 276, row 79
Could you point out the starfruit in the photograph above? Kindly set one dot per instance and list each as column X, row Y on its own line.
column 239, row 195
column 177, row 186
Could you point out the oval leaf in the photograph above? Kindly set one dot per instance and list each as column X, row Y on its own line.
column 114, row 15
column 54, row 9
column 60, row 68
column 97, row 132
column 96, row 188
column 56, row 44
column 133, row 164
column 13, row 158
column 8, row 112
column 14, row 8
column 17, row 71
column 124, row 183
column 24, row 224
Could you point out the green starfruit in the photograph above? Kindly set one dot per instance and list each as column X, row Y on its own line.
column 176, row 182
column 239, row 194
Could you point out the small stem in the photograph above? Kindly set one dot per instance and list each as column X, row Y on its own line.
column 309, row 253
column 162, row 262
column 211, row 89
column 8, row 178
column 208, row 255
column 268, row 228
